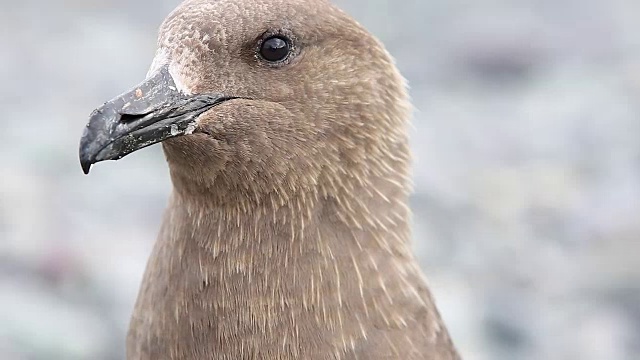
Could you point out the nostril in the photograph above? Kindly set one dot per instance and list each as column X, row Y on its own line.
column 129, row 118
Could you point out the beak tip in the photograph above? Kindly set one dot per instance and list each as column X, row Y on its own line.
column 86, row 167
column 85, row 162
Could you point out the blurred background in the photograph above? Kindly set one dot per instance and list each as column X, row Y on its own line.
column 527, row 168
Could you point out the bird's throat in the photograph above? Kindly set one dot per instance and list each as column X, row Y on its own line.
column 303, row 280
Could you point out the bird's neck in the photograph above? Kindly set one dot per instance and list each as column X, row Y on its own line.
column 274, row 268
column 287, row 244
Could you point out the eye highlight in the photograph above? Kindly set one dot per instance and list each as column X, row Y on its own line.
column 275, row 49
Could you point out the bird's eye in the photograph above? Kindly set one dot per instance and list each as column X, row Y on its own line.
column 275, row 49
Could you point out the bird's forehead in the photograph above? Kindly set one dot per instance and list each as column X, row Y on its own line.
column 205, row 30
column 215, row 32
column 200, row 20
column 229, row 21
column 198, row 29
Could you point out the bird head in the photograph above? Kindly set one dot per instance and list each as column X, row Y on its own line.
column 261, row 95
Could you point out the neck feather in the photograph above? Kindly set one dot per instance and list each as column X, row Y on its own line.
column 312, row 272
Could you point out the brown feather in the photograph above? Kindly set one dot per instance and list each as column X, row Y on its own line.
column 287, row 235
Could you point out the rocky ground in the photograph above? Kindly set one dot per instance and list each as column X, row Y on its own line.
column 527, row 151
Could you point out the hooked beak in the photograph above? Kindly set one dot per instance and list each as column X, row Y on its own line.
column 153, row 111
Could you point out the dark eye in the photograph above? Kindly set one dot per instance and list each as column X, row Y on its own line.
column 275, row 49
